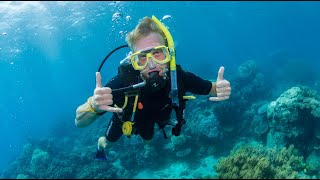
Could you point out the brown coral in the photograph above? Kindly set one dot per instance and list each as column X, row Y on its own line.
column 257, row 161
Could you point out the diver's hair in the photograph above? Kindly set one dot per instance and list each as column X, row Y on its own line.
column 145, row 26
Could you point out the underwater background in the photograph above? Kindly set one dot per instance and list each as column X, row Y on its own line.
column 269, row 128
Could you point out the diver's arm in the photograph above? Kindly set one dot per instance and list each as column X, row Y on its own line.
column 196, row 84
column 96, row 105
column 213, row 91
column 85, row 117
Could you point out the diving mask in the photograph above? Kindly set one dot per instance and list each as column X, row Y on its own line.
column 159, row 54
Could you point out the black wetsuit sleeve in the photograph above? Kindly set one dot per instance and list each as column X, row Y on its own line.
column 194, row 83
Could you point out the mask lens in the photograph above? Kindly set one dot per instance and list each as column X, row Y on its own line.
column 160, row 54
column 141, row 59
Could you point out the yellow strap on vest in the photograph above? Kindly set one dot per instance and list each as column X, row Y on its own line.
column 189, row 97
column 135, row 104
column 125, row 103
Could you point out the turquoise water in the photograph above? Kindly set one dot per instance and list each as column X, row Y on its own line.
column 50, row 51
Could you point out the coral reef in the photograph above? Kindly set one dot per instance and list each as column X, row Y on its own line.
column 294, row 118
column 254, row 161
column 247, row 69
column 248, row 87
column 204, row 120
column 211, row 131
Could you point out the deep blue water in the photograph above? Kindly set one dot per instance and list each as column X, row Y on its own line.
column 49, row 51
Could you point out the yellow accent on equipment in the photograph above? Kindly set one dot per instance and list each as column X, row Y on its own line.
column 127, row 125
column 173, row 68
column 189, row 97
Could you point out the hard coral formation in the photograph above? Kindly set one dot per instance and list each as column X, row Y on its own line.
column 294, row 118
column 39, row 157
column 246, row 69
column 292, row 100
column 201, row 120
column 256, row 161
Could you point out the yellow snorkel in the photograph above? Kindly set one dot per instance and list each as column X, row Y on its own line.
column 173, row 72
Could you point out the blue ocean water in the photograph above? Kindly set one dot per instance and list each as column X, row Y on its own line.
column 50, row 51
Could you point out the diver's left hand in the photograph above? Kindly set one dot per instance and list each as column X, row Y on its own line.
column 223, row 88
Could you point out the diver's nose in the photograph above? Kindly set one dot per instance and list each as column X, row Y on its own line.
column 151, row 64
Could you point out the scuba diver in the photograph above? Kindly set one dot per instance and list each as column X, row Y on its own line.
column 148, row 86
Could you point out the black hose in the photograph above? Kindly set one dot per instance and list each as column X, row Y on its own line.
column 110, row 55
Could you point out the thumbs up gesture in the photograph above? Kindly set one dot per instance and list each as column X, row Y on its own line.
column 102, row 97
column 223, row 88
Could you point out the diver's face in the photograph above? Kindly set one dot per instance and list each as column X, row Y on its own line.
column 148, row 42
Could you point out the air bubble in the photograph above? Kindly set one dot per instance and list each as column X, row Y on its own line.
column 166, row 17
column 128, row 18
column 116, row 16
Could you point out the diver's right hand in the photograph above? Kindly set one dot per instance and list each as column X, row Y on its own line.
column 102, row 97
